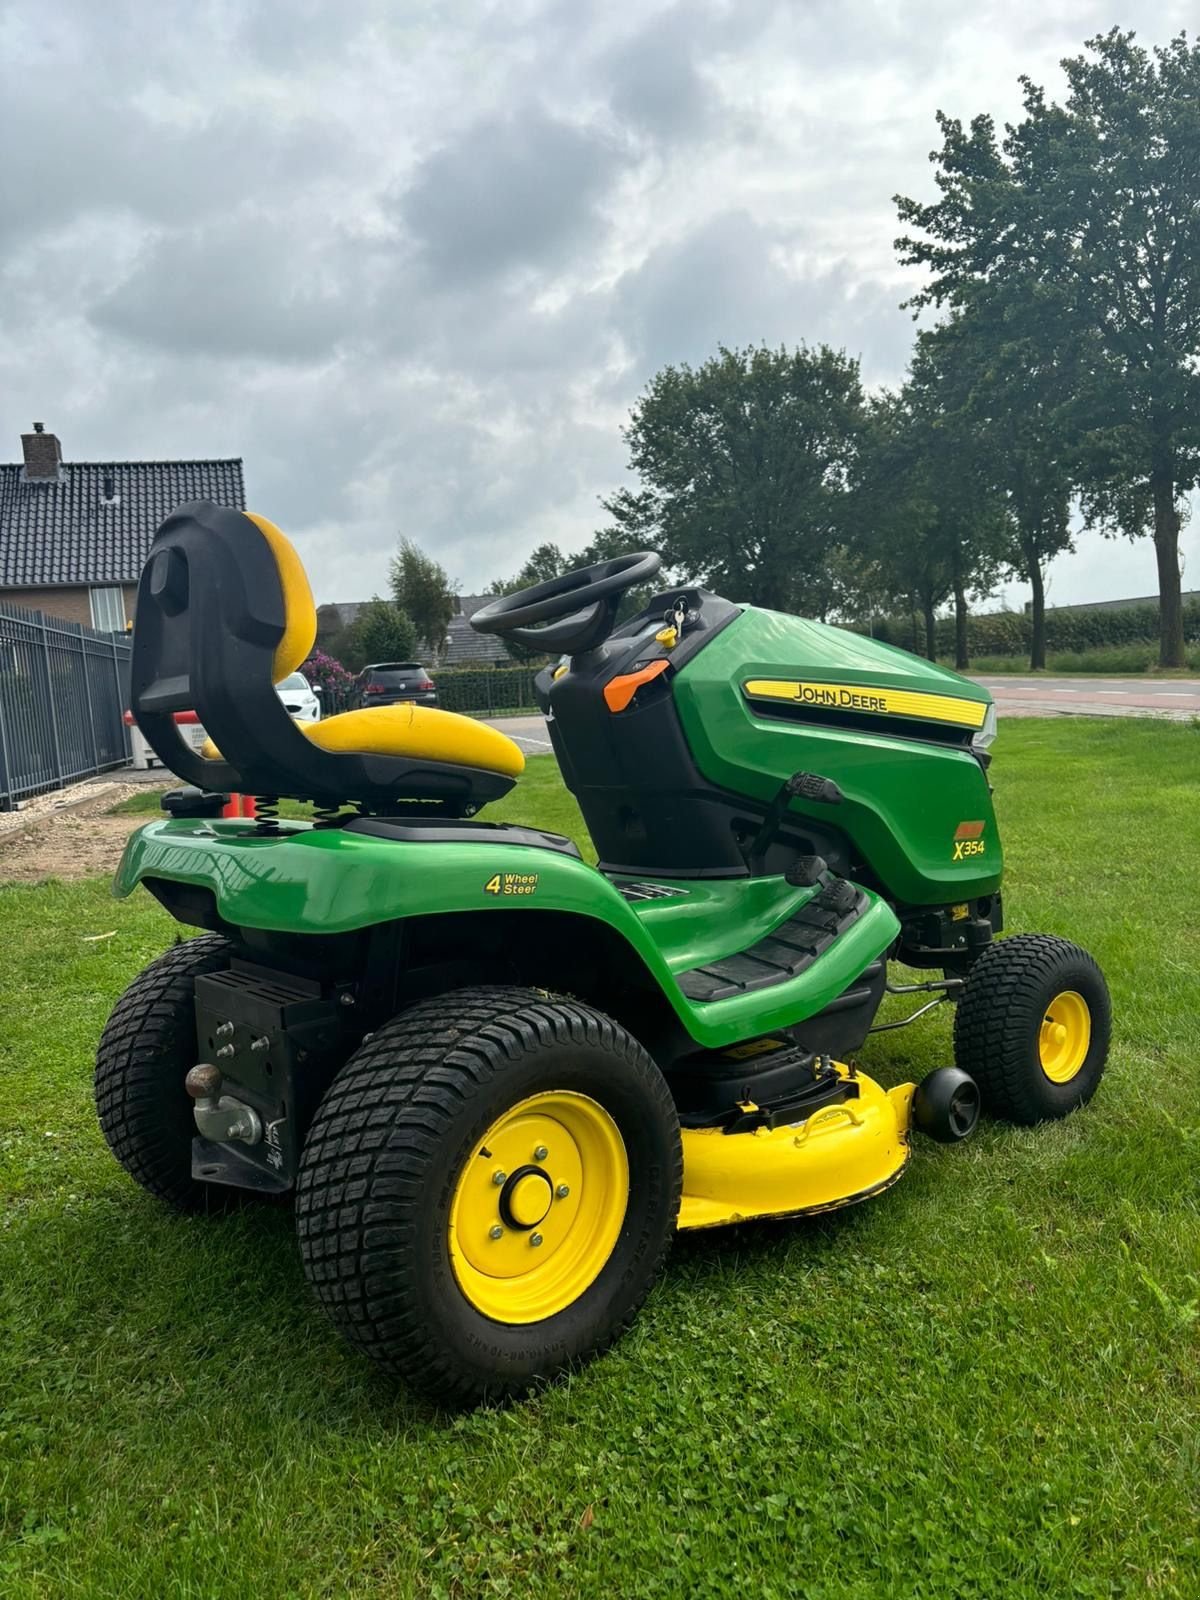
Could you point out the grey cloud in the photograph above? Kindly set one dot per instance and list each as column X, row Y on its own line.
column 80, row 148
column 655, row 82
column 510, row 191
column 240, row 288
column 728, row 282
column 414, row 264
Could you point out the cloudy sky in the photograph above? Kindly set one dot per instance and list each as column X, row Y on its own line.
column 413, row 261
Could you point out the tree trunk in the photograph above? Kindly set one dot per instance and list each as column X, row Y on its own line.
column 1037, row 647
column 1166, row 551
column 962, row 658
column 927, row 608
column 916, row 635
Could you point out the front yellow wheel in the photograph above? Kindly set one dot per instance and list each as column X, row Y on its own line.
column 538, row 1207
column 1065, row 1036
column 1032, row 1027
column 488, row 1190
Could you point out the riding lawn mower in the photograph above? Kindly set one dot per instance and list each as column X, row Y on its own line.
column 495, row 1079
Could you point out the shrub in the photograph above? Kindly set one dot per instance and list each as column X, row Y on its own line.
column 1070, row 630
column 486, row 691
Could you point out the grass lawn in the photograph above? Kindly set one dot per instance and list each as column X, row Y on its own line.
column 985, row 1383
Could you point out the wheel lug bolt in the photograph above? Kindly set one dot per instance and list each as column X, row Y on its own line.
column 540, row 1153
column 499, row 1177
column 496, row 1232
column 562, row 1191
column 535, row 1239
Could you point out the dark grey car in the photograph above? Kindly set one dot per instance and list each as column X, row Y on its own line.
column 388, row 682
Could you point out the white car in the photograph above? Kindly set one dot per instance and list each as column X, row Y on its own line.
column 300, row 699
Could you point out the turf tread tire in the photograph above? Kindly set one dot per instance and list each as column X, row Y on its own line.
column 391, row 1128
column 998, row 1016
column 145, row 1051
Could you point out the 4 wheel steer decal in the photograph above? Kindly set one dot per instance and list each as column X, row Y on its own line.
column 511, row 883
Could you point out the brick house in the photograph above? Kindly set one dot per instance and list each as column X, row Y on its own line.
column 74, row 535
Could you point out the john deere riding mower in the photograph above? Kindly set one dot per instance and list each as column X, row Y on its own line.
column 495, row 1078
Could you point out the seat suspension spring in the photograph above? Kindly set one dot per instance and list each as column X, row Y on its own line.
column 267, row 807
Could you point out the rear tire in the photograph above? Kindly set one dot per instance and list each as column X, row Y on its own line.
column 1033, row 1027
column 145, row 1051
column 398, row 1184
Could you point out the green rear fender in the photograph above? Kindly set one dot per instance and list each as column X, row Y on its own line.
column 308, row 880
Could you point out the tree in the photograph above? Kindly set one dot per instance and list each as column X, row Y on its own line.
column 424, row 593
column 1009, row 390
column 1095, row 203
column 380, row 632
column 933, row 527
column 744, row 465
column 546, row 562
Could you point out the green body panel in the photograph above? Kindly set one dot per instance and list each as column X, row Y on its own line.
column 307, row 880
column 904, row 797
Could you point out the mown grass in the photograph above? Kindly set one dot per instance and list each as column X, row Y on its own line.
column 982, row 1384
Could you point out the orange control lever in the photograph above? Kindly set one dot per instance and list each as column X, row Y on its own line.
column 618, row 692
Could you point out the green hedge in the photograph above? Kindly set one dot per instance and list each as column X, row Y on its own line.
column 486, row 691
column 1010, row 633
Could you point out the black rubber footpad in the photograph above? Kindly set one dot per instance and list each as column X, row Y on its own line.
column 806, row 872
column 789, row 950
column 837, row 895
column 812, row 786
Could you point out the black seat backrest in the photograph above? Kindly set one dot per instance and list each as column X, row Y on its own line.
column 224, row 612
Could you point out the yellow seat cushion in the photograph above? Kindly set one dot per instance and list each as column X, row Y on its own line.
column 299, row 612
column 420, row 732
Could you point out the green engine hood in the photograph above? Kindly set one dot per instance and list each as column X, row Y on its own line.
column 774, row 694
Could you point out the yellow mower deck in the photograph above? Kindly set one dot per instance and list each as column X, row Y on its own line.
column 835, row 1157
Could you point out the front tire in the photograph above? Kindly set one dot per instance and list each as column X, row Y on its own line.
column 145, row 1051
column 488, row 1191
column 1033, row 1027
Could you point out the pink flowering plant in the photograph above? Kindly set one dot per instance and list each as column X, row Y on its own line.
column 332, row 676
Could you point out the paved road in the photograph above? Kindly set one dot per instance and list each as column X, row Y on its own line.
column 1175, row 698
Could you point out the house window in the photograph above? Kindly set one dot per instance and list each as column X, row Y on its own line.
column 108, row 610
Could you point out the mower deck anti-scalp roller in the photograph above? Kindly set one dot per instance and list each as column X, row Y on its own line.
column 495, row 1078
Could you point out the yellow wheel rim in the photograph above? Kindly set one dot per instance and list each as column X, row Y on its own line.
column 538, row 1207
column 1065, row 1036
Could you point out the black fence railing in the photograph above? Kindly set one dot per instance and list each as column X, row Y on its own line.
column 486, row 691
column 63, row 690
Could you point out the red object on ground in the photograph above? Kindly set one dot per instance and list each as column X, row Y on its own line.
column 240, row 805
column 180, row 716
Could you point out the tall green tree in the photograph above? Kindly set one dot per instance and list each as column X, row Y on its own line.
column 1095, row 202
column 931, row 526
column 744, row 465
column 1009, row 390
column 423, row 592
column 380, row 632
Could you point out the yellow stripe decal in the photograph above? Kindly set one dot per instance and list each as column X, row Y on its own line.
column 870, row 701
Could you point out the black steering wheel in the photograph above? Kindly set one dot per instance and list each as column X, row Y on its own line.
column 580, row 608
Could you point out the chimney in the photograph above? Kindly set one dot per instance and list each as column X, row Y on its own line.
column 43, row 455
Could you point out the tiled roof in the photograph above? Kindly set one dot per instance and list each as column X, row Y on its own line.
column 466, row 646
column 68, row 531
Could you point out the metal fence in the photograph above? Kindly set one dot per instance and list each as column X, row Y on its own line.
column 486, row 691
column 63, row 691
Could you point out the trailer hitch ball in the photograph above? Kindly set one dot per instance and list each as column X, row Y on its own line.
column 220, row 1117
